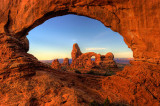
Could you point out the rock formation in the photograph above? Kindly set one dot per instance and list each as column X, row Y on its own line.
column 109, row 56
column 56, row 65
column 107, row 61
column 65, row 63
column 83, row 60
column 24, row 80
column 76, row 52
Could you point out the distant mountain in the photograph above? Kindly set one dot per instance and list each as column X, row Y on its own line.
column 46, row 61
column 50, row 61
column 118, row 60
column 123, row 60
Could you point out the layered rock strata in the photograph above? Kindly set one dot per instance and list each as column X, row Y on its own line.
column 26, row 81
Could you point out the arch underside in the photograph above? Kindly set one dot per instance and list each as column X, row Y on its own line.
column 138, row 23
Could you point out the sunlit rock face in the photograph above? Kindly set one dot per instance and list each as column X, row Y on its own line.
column 136, row 21
column 76, row 52
column 65, row 63
column 56, row 65
column 84, row 60
column 26, row 81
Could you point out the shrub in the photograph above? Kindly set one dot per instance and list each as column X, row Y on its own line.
column 106, row 103
column 77, row 71
column 64, row 68
column 107, row 68
column 94, row 103
column 81, row 67
column 91, row 72
column 109, row 73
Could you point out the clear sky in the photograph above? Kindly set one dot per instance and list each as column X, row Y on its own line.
column 55, row 37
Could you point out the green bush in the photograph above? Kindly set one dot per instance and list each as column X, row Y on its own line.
column 94, row 103
column 106, row 103
column 109, row 73
column 77, row 71
column 91, row 72
column 64, row 68
column 81, row 67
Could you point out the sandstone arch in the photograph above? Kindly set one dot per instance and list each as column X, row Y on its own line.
column 122, row 16
column 84, row 61
column 136, row 20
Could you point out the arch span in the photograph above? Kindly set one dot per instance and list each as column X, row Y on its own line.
column 21, row 17
column 122, row 16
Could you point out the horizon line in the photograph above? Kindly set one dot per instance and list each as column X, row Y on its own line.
column 71, row 58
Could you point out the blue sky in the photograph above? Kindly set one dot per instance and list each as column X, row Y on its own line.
column 55, row 37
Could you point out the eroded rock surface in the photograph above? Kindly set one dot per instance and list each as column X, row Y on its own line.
column 56, row 65
column 76, row 52
column 109, row 56
column 65, row 63
column 25, row 81
column 136, row 21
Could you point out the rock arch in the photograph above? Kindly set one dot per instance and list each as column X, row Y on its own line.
column 137, row 21
column 83, row 60
column 123, row 16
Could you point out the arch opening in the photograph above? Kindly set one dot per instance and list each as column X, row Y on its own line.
column 93, row 58
column 60, row 33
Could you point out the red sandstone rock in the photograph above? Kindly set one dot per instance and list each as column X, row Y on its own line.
column 109, row 56
column 108, row 64
column 108, row 61
column 123, row 16
column 76, row 52
column 65, row 63
column 56, row 65
column 137, row 81
column 84, row 59
column 25, row 81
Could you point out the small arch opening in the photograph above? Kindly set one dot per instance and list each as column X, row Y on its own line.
column 93, row 58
